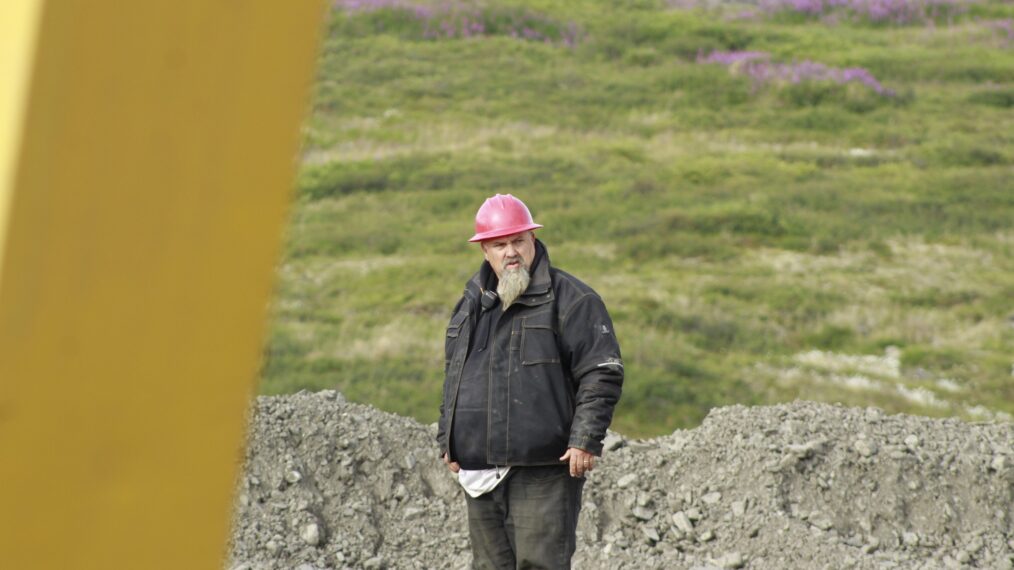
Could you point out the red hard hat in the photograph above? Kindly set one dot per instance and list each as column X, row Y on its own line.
column 502, row 215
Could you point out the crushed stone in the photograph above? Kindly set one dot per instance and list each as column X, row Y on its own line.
column 328, row 484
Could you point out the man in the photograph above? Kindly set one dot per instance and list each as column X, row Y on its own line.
column 532, row 374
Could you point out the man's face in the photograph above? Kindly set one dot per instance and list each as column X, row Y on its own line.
column 510, row 252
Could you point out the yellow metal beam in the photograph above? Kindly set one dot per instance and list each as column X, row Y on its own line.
column 19, row 22
column 145, row 186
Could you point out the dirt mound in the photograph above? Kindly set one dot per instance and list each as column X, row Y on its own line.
column 331, row 484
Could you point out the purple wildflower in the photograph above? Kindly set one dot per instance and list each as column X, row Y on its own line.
column 757, row 66
column 877, row 11
column 732, row 57
column 368, row 5
column 422, row 12
column 457, row 19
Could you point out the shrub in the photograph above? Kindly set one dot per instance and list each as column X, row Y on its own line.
column 1002, row 98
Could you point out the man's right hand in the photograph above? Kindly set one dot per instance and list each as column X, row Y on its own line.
column 452, row 465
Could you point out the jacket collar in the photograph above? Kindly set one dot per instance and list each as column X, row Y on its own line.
column 540, row 283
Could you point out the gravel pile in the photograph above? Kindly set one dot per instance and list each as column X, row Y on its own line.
column 331, row 485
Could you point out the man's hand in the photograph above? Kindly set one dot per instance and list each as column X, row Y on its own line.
column 452, row 465
column 580, row 461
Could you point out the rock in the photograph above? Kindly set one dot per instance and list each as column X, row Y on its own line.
column 694, row 514
column 292, row 476
column 730, row 560
column 706, row 536
column 310, row 534
column 822, row 522
column 612, row 441
column 864, row 447
column 999, row 463
column 643, row 514
column 711, row 498
column 400, row 491
column 682, row 522
column 627, row 480
column 650, row 533
column 807, row 449
column 374, row 563
column 738, row 508
column 411, row 513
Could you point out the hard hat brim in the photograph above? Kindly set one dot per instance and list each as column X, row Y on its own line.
column 501, row 232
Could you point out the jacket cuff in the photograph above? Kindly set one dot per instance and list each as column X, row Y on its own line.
column 587, row 442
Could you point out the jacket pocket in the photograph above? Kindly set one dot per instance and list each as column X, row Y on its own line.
column 453, row 331
column 538, row 341
column 454, row 328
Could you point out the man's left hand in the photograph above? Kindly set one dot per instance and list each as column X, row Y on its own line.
column 580, row 461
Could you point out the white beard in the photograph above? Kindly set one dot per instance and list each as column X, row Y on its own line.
column 513, row 283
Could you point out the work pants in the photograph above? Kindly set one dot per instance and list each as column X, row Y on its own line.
column 528, row 521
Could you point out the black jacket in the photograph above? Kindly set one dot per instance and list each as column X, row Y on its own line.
column 555, row 371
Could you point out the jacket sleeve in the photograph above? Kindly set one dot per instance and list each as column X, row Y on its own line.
column 589, row 343
column 449, row 344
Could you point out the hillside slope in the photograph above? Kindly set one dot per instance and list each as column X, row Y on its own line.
column 773, row 204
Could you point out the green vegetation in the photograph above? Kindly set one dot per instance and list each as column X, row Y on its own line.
column 755, row 241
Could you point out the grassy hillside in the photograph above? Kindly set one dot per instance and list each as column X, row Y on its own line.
column 773, row 203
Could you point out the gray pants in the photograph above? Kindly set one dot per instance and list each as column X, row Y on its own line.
column 528, row 521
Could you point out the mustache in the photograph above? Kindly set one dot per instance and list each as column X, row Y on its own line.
column 516, row 259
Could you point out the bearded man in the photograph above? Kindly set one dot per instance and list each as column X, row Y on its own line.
column 532, row 374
